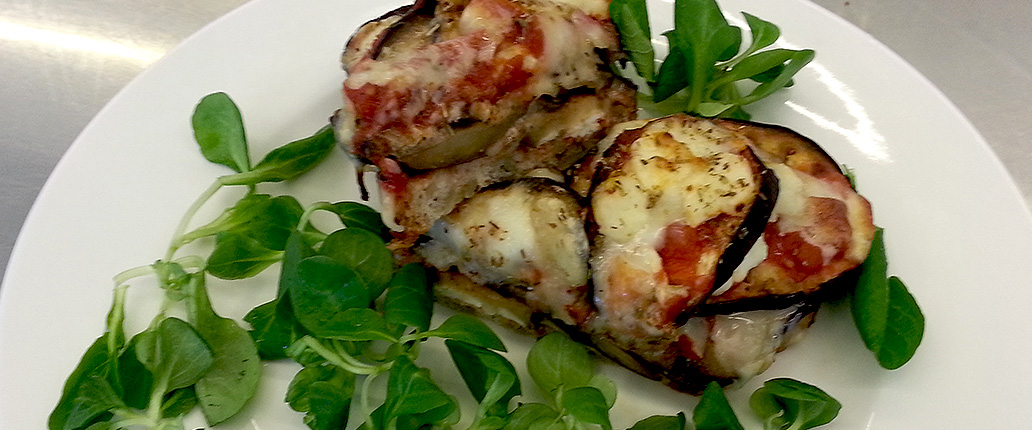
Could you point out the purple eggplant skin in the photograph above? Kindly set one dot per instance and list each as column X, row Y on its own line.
column 426, row 168
column 407, row 23
column 779, row 144
column 752, row 227
column 735, row 235
column 421, row 10
column 688, row 372
column 771, row 286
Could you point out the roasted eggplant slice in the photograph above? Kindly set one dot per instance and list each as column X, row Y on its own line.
column 507, row 85
column 820, row 227
column 525, row 239
column 670, row 199
column 725, row 348
column 688, row 250
column 709, row 241
column 544, row 139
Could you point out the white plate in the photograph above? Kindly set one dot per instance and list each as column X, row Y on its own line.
column 957, row 231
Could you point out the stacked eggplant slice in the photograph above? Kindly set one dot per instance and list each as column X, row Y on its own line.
column 447, row 97
column 711, row 241
column 689, row 250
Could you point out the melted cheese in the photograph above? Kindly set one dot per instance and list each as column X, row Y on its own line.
column 675, row 174
column 689, row 173
column 790, row 210
column 517, row 236
column 569, row 36
column 757, row 253
column 742, row 345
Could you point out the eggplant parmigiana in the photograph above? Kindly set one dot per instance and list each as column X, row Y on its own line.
column 446, row 97
column 688, row 250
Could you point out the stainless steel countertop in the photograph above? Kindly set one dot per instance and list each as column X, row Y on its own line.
column 58, row 69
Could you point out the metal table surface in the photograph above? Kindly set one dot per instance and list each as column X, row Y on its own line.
column 62, row 60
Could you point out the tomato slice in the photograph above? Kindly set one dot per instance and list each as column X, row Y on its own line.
column 792, row 252
column 689, row 256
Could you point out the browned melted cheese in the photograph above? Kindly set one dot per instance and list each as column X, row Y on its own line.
column 485, row 62
column 667, row 202
column 820, row 226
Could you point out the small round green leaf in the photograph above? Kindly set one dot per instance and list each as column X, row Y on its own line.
column 219, row 130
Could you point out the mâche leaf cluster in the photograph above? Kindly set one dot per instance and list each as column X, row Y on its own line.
column 151, row 379
column 706, row 63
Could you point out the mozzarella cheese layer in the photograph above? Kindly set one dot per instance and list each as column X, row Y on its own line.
column 524, row 236
column 666, row 197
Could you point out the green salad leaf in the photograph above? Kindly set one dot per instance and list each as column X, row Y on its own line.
column 787, row 404
column 662, row 422
column 714, row 412
column 219, row 131
column 205, row 360
column 323, row 394
column 887, row 316
column 706, row 65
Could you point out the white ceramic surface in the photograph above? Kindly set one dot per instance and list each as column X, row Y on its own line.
column 956, row 229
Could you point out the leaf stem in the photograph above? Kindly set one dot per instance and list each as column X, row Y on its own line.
column 191, row 262
column 129, row 418
column 363, row 401
column 311, row 209
column 129, row 274
column 336, row 356
column 417, row 336
column 115, row 319
column 153, row 412
column 177, row 237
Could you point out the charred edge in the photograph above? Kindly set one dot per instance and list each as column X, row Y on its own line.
column 608, row 57
column 615, row 156
column 552, row 103
column 841, row 286
column 534, row 184
column 463, row 123
column 752, row 226
column 684, row 374
column 408, row 170
column 689, row 377
column 768, row 302
column 539, row 185
column 806, row 301
column 363, row 191
column 401, row 11
column 538, row 323
column 744, row 126
column 406, row 13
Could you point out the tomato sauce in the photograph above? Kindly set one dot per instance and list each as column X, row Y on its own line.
column 470, row 77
